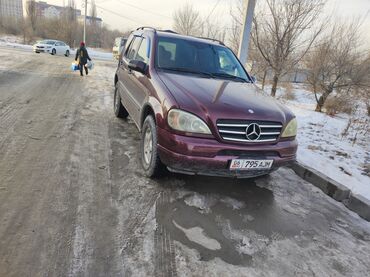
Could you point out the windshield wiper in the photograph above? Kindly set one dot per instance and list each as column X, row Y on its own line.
column 186, row 70
column 228, row 76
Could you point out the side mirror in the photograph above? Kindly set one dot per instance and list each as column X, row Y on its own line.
column 136, row 65
column 254, row 80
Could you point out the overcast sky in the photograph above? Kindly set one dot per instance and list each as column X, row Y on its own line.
column 129, row 14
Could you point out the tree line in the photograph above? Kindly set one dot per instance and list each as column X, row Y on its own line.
column 66, row 27
column 287, row 35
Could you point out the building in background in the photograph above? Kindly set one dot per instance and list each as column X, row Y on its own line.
column 45, row 10
column 91, row 20
column 11, row 8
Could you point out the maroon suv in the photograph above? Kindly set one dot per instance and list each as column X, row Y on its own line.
column 198, row 110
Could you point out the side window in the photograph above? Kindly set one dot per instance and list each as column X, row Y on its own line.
column 131, row 52
column 143, row 51
column 225, row 63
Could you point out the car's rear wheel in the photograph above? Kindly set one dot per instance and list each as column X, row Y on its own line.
column 149, row 156
column 119, row 109
column 67, row 53
column 53, row 52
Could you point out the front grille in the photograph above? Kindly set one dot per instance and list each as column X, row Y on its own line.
column 236, row 130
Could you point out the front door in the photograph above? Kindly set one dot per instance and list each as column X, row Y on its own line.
column 127, row 86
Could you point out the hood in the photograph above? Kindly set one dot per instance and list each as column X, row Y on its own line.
column 213, row 99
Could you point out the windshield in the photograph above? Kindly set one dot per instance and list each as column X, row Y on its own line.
column 50, row 42
column 200, row 58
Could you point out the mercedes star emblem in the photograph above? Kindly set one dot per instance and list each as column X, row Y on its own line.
column 253, row 131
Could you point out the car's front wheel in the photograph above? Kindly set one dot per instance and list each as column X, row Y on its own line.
column 149, row 156
column 119, row 109
column 67, row 53
column 53, row 52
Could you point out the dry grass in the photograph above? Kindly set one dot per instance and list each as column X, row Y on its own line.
column 335, row 105
column 288, row 91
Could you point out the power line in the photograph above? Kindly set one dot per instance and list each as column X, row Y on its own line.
column 118, row 14
column 213, row 9
column 144, row 10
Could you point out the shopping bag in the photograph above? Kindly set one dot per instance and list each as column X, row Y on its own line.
column 75, row 66
column 90, row 65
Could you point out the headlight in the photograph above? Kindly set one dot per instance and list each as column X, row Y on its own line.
column 48, row 46
column 186, row 122
column 291, row 129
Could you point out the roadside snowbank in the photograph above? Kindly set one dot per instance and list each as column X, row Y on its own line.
column 325, row 146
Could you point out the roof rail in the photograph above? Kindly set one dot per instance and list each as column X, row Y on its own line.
column 145, row 27
column 168, row 31
column 212, row 39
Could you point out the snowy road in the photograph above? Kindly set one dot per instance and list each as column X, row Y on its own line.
column 74, row 202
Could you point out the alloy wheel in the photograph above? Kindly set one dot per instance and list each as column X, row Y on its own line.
column 148, row 146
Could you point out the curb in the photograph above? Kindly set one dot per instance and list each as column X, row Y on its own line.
column 335, row 190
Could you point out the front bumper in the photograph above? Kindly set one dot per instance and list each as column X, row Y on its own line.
column 203, row 156
column 38, row 50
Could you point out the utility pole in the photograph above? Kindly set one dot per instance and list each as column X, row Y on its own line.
column 246, row 31
column 85, row 20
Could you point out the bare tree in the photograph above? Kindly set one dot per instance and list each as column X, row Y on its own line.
column 187, row 21
column 338, row 63
column 67, row 23
column 32, row 13
column 95, row 37
column 213, row 29
column 284, row 32
column 237, row 14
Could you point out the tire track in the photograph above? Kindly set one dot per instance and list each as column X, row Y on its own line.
column 165, row 260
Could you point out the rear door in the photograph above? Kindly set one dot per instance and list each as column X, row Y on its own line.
column 63, row 48
column 126, row 84
column 59, row 47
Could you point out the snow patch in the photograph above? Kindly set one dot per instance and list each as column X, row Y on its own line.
column 196, row 234
column 233, row 203
column 203, row 203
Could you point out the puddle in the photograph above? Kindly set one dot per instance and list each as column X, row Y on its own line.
column 226, row 218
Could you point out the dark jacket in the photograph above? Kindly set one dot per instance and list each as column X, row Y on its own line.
column 82, row 55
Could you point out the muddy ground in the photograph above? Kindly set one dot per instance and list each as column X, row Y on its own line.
column 74, row 201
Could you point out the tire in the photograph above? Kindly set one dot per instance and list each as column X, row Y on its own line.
column 118, row 108
column 53, row 52
column 149, row 157
column 67, row 53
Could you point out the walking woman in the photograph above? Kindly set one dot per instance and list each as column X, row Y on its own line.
column 83, row 56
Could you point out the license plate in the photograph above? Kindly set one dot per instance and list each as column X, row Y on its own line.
column 240, row 164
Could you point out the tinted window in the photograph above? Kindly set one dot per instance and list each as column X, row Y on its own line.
column 196, row 56
column 131, row 52
column 142, row 54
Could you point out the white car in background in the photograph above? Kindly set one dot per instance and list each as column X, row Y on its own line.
column 119, row 44
column 53, row 47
